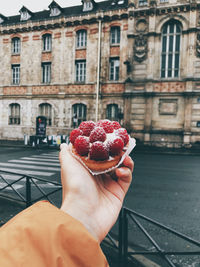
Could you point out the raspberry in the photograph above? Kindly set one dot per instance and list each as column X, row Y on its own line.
column 97, row 134
column 116, row 125
column 123, row 134
column 82, row 145
column 107, row 125
column 87, row 127
column 99, row 151
column 115, row 146
column 74, row 134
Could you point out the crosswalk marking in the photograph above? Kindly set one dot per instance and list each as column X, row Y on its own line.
column 29, row 166
column 9, row 176
column 50, row 154
column 27, row 172
column 42, row 156
column 34, row 162
column 39, row 159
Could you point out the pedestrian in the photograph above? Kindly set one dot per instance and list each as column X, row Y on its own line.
column 43, row 235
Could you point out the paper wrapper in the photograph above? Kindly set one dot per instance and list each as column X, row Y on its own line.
column 131, row 145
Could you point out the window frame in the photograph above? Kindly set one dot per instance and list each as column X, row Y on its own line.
column 114, row 68
column 46, row 72
column 80, row 71
column 112, row 109
column 14, row 114
column 171, row 52
column 16, row 45
column 78, row 109
column 87, row 6
column 45, row 109
column 47, row 42
column 115, row 33
column 142, row 3
column 81, row 39
column 15, row 74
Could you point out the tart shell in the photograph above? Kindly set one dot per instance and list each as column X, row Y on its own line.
column 98, row 166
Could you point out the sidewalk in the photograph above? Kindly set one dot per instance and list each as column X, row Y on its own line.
column 140, row 148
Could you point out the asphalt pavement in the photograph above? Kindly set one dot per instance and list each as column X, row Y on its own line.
column 10, row 208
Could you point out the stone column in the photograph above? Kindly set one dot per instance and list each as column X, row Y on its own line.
column 127, row 112
column 187, row 121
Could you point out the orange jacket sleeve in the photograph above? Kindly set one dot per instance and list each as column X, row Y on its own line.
column 44, row 236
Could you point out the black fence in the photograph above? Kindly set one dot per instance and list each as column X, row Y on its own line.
column 33, row 189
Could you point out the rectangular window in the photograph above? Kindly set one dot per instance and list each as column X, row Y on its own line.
column 142, row 2
column 16, row 46
column 81, row 39
column 170, row 57
column 80, row 71
column 114, row 69
column 14, row 116
column 47, row 42
column 164, row 1
column 15, row 74
column 46, row 110
column 46, row 72
column 115, row 35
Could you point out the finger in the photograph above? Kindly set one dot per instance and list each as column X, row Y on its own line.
column 128, row 162
column 124, row 175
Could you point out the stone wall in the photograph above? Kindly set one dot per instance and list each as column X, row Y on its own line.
column 158, row 111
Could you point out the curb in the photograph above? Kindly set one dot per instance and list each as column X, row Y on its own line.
column 139, row 149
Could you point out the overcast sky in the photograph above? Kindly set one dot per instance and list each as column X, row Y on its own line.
column 12, row 7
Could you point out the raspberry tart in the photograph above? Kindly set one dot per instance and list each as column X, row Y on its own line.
column 99, row 145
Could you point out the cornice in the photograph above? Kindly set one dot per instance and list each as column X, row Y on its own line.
column 105, row 16
column 63, row 22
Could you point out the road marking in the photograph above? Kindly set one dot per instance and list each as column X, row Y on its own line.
column 29, row 166
column 46, row 157
column 27, row 172
column 39, row 159
column 50, row 154
column 34, row 162
column 9, row 176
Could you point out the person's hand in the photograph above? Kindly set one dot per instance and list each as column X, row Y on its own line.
column 93, row 200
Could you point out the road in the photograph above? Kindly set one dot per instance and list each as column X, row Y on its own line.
column 165, row 188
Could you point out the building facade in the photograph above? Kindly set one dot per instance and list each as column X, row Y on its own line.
column 137, row 61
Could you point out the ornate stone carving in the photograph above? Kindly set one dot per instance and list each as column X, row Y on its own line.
column 140, row 48
column 198, row 45
column 141, row 25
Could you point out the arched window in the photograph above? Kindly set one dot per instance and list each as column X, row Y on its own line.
column 112, row 112
column 47, row 40
column 16, row 45
column 79, row 113
column 14, row 113
column 115, row 35
column 45, row 109
column 81, row 39
column 170, row 57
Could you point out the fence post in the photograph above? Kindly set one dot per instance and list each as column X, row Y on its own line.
column 28, row 192
column 120, row 236
column 123, row 238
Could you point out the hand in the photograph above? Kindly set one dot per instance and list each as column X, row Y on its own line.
column 93, row 200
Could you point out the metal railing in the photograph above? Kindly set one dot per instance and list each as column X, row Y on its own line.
column 29, row 183
column 122, row 245
column 126, row 217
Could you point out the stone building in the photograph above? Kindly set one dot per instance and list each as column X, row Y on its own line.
column 137, row 60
